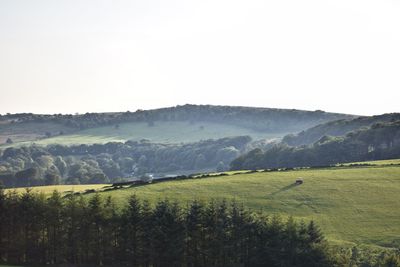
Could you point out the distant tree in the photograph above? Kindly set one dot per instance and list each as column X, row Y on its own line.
column 143, row 161
column 52, row 178
column 48, row 134
column 9, row 141
column 61, row 165
column 28, row 177
column 147, row 178
column 221, row 166
column 200, row 161
column 99, row 178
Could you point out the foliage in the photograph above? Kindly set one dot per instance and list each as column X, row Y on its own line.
column 337, row 128
column 278, row 120
column 99, row 164
column 38, row 231
column 380, row 141
column 356, row 205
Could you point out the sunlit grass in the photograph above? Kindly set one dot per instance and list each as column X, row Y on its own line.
column 163, row 132
column 353, row 205
column 60, row 188
column 377, row 162
column 358, row 205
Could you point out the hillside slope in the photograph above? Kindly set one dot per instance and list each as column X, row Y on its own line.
column 337, row 128
column 110, row 162
column 167, row 132
column 180, row 123
column 380, row 141
column 357, row 205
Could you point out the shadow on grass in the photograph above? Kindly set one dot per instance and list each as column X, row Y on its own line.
column 283, row 189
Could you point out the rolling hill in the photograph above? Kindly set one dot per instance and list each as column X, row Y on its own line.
column 168, row 132
column 380, row 141
column 186, row 123
column 356, row 205
column 353, row 205
column 337, row 128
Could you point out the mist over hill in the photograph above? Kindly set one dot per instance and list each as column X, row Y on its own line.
column 337, row 128
column 122, row 126
column 379, row 141
column 110, row 147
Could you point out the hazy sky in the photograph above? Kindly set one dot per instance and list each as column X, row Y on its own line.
column 89, row 56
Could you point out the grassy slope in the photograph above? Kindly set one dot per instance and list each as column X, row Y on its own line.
column 165, row 132
column 352, row 204
column 377, row 162
column 61, row 188
column 29, row 131
column 357, row 205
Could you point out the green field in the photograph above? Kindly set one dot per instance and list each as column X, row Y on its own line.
column 352, row 205
column 30, row 131
column 48, row 189
column 163, row 132
column 377, row 162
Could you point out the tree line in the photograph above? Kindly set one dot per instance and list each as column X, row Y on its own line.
column 263, row 119
column 35, row 230
column 112, row 162
column 380, row 141
column 337, row 128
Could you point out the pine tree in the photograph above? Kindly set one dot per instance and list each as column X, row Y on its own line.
column 131, row 229
column 96, row 222
column 291, row 239
column 168, row 234
column 70, row 227
column 146, row 238
column 211, row 252
column 194, row 234
column 314, row 233
column 54, row 227
column 111, row 231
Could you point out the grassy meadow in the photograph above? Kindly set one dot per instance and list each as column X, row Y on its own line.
column 352, row 205
column 161, row 132
column 377, row 162
column 48, row 189
column 29, row 131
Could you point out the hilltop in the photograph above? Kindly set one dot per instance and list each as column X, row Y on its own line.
column 186, row 123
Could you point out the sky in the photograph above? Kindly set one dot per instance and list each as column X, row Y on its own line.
column 69, row 56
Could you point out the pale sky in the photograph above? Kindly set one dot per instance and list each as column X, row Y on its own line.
column 70, row 56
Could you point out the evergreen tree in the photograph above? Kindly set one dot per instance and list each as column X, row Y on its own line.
column 95, row 225
column 55, row 227
column 131, row 230
column 195, row 234
column 314, row 233
column 146, row 238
